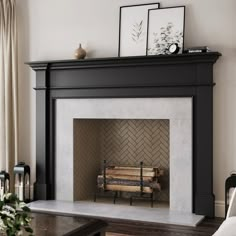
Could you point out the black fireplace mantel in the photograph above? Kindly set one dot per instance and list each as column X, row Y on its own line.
column 183, row 75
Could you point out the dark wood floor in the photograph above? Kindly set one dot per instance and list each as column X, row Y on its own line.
column 206, row 228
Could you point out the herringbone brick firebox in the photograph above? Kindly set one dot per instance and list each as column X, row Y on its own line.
column 123, row 142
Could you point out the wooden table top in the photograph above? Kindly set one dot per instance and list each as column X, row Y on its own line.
column 58, row 225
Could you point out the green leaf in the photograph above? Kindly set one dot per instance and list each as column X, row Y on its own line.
column 25, row 208
column 1, row 204
column 29, row 230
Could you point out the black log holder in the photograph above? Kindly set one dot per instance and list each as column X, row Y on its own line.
column 103, row 192
column 143, row 196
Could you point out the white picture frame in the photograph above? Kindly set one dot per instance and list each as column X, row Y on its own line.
column 133, row 29
column 165, row 27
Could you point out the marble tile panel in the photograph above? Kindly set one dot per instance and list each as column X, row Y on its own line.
column 177, row 110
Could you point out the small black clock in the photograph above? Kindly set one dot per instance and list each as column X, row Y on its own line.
column 173, row 48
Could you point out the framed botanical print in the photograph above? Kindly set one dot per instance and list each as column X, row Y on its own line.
column 133, row 29
column 165, row 28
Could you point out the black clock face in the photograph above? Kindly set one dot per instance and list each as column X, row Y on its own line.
column 173, row 48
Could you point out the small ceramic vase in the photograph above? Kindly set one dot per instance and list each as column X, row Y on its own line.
column 80, row 53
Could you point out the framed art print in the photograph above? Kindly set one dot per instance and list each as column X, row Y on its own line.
column 165, row 28
column 133, row 29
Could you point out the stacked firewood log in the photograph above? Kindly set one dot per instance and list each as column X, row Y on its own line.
column 130, row 179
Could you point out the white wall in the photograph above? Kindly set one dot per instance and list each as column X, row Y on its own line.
column 52, row 29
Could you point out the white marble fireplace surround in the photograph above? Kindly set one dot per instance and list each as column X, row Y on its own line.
column 177, row 110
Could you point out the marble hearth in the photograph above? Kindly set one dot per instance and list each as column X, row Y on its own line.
column 124, row 212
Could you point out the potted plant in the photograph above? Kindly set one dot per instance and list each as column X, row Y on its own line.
column 14, row 216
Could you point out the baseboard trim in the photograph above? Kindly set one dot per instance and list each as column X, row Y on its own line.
column 219, row 208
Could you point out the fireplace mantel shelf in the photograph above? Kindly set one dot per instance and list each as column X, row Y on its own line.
column 171, row 76
column 126, row 61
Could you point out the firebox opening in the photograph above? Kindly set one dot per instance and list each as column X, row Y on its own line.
column 122, row 143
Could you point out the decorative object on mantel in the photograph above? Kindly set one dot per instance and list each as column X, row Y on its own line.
column 230, row 184
column 14, row 216
column 199, row 49
column 165, row 27
column 133, row 29
column 173, row 48
column 22, row 181
column 4, row 183
column 80, row 53
column 142, row 180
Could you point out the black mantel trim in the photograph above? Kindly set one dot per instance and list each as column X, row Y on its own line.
column 126, row 61
column 128, row 86
column 182, row 75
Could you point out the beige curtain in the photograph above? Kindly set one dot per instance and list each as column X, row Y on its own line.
column 8, row 86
